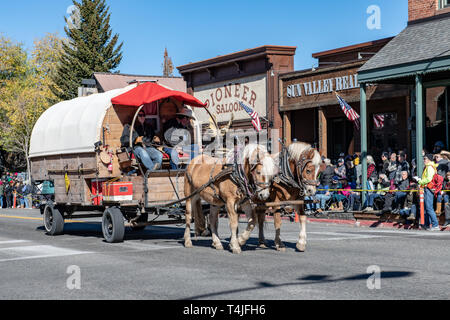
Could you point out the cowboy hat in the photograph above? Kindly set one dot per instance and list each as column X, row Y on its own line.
column 186, row 113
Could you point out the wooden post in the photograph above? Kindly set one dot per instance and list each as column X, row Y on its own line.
column 419, row 124
column 323, row 142
column 287, row 128
column 363, row 107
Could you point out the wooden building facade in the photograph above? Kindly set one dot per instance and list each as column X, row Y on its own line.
column 250, row 77
column 312, row 113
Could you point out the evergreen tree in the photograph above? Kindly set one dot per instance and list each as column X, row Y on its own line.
column 90, row 47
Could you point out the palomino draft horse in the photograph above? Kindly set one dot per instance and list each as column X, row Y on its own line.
column 229, row 189
column 297, row 179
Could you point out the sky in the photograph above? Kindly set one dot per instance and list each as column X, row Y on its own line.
column 196, row 30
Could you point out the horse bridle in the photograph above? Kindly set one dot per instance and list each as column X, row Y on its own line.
column 263, row 185
column 301, row 165
column 240, row 178
column 287, row 176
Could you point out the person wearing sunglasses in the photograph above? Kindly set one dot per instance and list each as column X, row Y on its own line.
column 143, row 137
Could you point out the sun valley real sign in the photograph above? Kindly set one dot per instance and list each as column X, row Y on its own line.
column 322, row 86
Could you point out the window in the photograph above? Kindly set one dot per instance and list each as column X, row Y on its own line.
column 384, row 129
column 444, row 4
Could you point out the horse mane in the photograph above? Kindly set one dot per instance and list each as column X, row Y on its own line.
column 296, row 149
column 269, row 166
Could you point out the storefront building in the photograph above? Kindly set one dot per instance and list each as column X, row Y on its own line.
column 312, row 113
column 248, row 76
column 418, row 58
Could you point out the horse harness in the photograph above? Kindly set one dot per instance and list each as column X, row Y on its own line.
column 287, row 177
column 237, row 176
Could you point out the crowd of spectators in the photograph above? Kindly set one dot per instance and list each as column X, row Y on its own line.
column 392, row 186
column 14, row 192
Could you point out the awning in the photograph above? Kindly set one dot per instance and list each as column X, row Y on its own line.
column 423, row 47
column 150, row 92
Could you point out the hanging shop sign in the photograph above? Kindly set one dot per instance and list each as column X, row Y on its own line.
column 341, row 83
column 222, row 98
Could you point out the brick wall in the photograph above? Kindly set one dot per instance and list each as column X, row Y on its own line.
column 419, row 9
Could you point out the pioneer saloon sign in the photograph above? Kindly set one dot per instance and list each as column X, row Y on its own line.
column 222, row 99
column 322, row 86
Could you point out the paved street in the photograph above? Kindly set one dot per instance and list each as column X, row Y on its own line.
column 153, row 264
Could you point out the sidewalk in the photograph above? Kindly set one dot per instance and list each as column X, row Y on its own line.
column 360, row 219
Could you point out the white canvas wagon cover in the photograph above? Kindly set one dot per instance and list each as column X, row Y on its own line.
column 73, row 126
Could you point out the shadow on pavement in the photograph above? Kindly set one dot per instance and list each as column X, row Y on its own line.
column 307, row 280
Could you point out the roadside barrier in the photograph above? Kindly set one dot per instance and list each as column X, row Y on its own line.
column 422, row 206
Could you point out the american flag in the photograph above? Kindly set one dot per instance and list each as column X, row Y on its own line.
column 349, row 112
column 254, row 115
column 378, row 120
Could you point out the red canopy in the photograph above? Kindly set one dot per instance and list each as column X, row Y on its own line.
column 150, row 92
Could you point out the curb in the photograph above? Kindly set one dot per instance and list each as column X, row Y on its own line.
column 375, row 224
column 371, row 224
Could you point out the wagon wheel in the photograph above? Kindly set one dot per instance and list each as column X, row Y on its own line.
column 113, row 226
column 53, row 220
column 142, row 219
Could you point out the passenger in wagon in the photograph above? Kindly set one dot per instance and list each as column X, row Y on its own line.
column 178, row 134
column 143, row 140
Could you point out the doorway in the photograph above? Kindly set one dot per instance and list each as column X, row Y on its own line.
column 341, row 137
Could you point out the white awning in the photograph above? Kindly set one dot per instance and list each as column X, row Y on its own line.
column 72, row 127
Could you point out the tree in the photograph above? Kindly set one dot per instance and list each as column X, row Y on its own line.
column 26, row 95
column 167, row 65
column 90, row 48
column 12, row 60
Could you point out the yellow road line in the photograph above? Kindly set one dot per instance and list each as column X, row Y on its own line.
column 31, row 218
column 16, row 217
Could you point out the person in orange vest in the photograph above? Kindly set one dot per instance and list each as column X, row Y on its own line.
column 427, row 183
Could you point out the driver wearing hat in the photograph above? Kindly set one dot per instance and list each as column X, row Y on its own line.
column 178, row 132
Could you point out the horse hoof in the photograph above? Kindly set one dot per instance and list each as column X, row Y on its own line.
column 236, row 250
column 281, row 248
column 301, row 247
column 263, row 245
column 188, row 244
column 218, row 247
column 241, row 242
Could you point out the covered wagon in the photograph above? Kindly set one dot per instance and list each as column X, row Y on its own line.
column 76, row 146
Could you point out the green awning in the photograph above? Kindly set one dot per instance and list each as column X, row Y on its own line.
column 421, row 48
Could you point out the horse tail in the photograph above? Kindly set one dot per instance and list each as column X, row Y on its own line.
column 199, row 218
column 194, row 203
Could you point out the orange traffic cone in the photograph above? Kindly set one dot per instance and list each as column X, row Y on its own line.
column 422, row 206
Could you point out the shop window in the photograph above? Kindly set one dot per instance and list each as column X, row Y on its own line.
column 444, row 4
column 384, row 133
